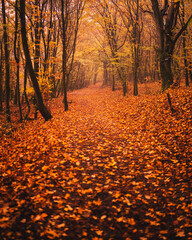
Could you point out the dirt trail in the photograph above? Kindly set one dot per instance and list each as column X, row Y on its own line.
column 109, row 168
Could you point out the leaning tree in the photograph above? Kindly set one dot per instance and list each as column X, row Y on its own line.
column 42, row 108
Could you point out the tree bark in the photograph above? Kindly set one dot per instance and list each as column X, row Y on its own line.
column 37, row 40
column 43, row 110
column 190, row 70
column 7, row 77
column 184, row 48
column 25, row 94
column 113, row 78
column 136, row 42
column 105, row 74
column 64, row 56
column 1, row 77
column 185, row 60
column 47, row 39
column 17, row 59
column 166, row 72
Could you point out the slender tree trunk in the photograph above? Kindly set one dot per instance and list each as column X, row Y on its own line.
column 190, row 70
column 37, row 40
column 105, row 73
column 64, row 58
column 43, row 110
column 113, row 76
column 1, row 77
column 7, row 78
column 95, row 75
column 185, row 59
column 95, row 79
column 54, row 90
column 25, row 93
column 46, row 39
column 136, row 50
column 18, row 88
column 184, row 46
column 17, row 59
column 135, row 87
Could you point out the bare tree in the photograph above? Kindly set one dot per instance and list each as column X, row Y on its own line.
column 71, row 12
column 112, row 29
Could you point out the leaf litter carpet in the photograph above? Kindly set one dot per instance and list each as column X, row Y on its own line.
column 111, row 167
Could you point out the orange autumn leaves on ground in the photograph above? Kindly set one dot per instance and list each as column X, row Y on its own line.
column 111, row 167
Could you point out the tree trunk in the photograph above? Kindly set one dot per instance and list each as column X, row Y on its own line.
column 135, row 87
column 184, row 47
column 1, row 91
column 1, row 77
column 136, row 41
column 37, row 40
column 43, row 110
column 190, row 70
column 124, row 88
column 166, row 21
column 166, row 72
column 105, row 73
column 185, row 59
column 95, row 79
column 17, row 59
column 113, row 77
column 122, row 76
column 64, row 57
column 7, row 78
column 136, row 56
column 95, row 75
column 47, row 40
column 18, row 92
column 25, row 94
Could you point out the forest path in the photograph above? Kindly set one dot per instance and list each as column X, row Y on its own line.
column 102, row 124
column 111, row 167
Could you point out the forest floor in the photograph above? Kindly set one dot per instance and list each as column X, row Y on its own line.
column 112, row 167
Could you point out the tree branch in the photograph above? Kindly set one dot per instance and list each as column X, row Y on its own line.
column 181, row 31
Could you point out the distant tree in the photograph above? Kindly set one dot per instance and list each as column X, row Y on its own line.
column 130, row 12
column 71, row 12
column 43, row 110
column 37, row 39
column 112, row 28
column 95, row 74
column 50, row 33
column 46, row 26
column 166, row 22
